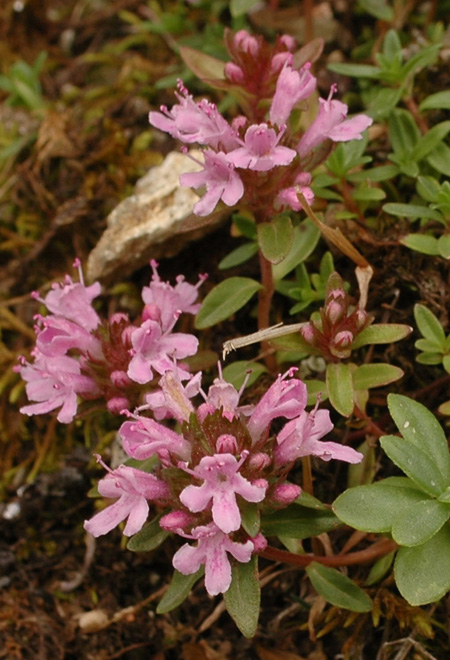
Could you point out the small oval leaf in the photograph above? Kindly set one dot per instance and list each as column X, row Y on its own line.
column 338, row 589
column 225, row 299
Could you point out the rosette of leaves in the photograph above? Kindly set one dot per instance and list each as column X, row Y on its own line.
column 414, row 509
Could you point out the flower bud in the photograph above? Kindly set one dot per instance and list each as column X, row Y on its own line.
column 259, row 543
column 116, row 404
column 176, row 520
column 151, row 312
column 286, row 493
column 334, row 311
column 120, row 379
column 234, row 72
column 226, row 444
column 361, row 318
column 246, row 43
column 258, row 462
column 343, row 339
column 308, row 334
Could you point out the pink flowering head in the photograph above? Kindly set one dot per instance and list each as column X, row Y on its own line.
column 73, row 301
column 222, row 481
column 292, row 87
column 133, row 488
column 301, row 437
column 194, row 122
column 260, row 150
column 212, row 549
column 220, row 179
column 331, row 124
column 286, row 397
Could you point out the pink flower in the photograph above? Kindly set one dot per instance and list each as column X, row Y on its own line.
column 54, row 383
column 211, row 550
column 284, row 398
column 172, row 399
column 56, row 335
column 331, row 124
column 191, row 122
column 260, row 150
column 300, row 437
column 289, row 196
column 72, row 300
column 152, row 349
column 221, row 483
column 143, row 438
column 220, row 179
column 292, row 87
column 133, row 488
column 168, row 302
column 222, row 395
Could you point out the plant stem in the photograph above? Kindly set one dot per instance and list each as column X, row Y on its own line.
column 378, row 549
column 264, row 306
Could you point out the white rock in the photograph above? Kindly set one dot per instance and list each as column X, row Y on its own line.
column 156, row 221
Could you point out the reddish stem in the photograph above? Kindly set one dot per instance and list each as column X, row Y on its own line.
column 264, row 306
column 378, row 549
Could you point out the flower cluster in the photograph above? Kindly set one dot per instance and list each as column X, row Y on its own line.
column 223, row 462
column 259, row 160
column 332, row 334
column 77, row 355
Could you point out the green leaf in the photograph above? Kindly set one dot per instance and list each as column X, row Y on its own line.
column 375, row 174
column 429, row 325
column 306, row 236
column 379, row 569
column 378, row 8
column 243, row 598
column 367, row 376
column 438, row 101
column 179, row 589
column 355, row 70
column 428, row 188
column 340, row 388
column 421, row 428
column 403, row 133
column 420, row 522
column 239, row 256
column 445, row 496
column 444, row 246
column 366, row 194
column 392, row 46
column 150, row 537
column 275, row 238
column 439, row 158
column 381, row 333
column 422, row 573
column 225, row 299
column 250, row 517
column 382, row 101
column 375, row 507
column 413, row 211
column 429, row 358
column 338, row 589
column 430, row 140
column 236, row 372
column 421, row 243
column 415, row 463
column 241, row 7
column 204, row 66
column 299, row 522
